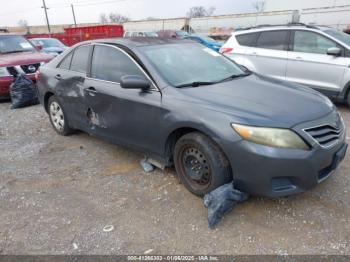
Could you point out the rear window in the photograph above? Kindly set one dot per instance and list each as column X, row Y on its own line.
column 275, row 40
column 247, row 39
column 80, row 59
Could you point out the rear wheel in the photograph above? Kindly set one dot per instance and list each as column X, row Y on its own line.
column 58, row 117
column 200, row 164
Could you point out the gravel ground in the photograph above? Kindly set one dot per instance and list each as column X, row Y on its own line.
column 79, row 195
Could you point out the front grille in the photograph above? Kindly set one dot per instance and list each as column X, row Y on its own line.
column 325, row 135
column 30, row 69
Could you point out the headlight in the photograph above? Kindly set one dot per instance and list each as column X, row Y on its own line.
column 273, row 137
column 4, row 72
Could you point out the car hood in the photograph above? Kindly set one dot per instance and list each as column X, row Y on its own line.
column 24, row 58
column 262, row 101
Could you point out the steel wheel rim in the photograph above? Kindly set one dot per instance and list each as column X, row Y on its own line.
column 57, row 116
column 195, row 167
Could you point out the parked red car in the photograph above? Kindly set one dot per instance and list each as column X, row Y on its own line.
column 18, row 56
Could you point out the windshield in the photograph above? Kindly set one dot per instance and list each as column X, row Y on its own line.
column 48, row 43
column 189, row 63
column 15, row 44
column 343, row 37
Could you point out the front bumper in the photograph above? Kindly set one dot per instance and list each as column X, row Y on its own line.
column 5, row 83
column 271, row 172
column 276, row 172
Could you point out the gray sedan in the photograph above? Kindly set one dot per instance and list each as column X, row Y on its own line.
column 181, row 103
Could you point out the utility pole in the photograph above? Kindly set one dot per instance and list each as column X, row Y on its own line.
column 47, row 17
column 75, row 20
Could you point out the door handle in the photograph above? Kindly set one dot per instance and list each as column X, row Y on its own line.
column 91, row 90
column 58, row 77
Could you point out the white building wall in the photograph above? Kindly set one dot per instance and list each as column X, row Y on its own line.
column 229, row 23
column 337, row 17
column 155, row 25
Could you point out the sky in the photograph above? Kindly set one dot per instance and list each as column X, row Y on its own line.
column 88, row 11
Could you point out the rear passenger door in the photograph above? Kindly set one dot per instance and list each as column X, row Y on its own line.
column 271, row 53
column 309, row 64
column 70, row 84
column 243, row 53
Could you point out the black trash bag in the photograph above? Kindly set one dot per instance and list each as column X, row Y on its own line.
column 23, row 92
column 221, row 201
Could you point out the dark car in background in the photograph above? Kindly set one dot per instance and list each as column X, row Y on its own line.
column 18, row 56
column 183, row 104
column 51, row 46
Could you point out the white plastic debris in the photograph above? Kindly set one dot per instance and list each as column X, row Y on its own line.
column 148, row 251
column 146, row 166
column 108, row 228
column 75, row 246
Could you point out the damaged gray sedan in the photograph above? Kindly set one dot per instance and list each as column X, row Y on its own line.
column 183, row 104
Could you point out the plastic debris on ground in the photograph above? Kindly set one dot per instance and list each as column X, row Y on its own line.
column 146, row 166
column 108, row 228
column 23, row 92
column 221, row 201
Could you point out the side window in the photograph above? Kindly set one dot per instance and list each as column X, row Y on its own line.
column 309, row 42
column 65, row 63
column 80, row 59
column 275, row 40
column 247, row 39
column 110, row 64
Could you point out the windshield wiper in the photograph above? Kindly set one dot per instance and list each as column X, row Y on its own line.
column 196, row 84
column 233, row 77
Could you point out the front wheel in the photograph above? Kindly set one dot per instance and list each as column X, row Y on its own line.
column 200, row 164
column 58, row 117
column 348, row 99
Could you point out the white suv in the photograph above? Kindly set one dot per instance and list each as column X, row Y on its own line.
column 315, row 56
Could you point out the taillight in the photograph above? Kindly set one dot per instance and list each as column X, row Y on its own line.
column 224, row 50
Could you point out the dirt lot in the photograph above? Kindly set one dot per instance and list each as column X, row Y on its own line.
column 57, row 194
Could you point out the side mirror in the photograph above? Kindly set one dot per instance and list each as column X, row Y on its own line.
column 39, row 47
column 134, row 82
column 334, row 51
column 246, row 70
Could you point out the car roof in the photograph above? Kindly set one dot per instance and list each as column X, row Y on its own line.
column 140, row 41
column 281, row 27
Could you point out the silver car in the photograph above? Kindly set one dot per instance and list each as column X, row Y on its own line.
column 315, row 56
